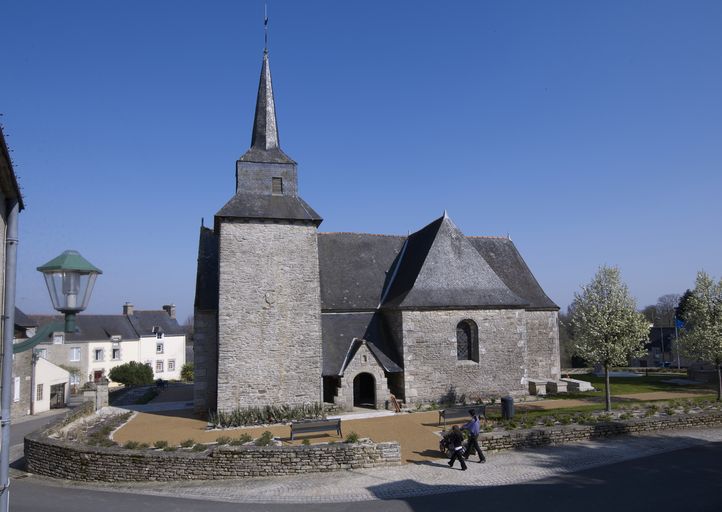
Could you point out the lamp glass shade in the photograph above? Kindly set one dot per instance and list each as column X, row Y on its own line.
column 69, row 289
column 70, row 279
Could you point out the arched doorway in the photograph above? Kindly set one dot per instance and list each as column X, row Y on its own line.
column 364, row 390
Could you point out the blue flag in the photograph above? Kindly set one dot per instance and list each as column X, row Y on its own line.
column 678, row 323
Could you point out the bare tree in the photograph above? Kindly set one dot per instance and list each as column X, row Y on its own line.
column 665, row 309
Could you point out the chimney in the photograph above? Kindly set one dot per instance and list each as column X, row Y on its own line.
column 127, row 309
column 170, row 309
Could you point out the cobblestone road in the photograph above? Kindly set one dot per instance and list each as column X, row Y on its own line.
column 504, row 468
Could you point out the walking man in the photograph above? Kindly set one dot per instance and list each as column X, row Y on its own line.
column 474, row 426
column 456, row 439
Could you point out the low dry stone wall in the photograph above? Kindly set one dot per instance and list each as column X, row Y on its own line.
column 543, row 436
column 61, row 459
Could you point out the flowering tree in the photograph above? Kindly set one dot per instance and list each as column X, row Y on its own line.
column 608, row 329
column 702, row 333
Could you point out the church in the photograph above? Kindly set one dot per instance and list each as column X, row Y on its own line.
column 287, row 315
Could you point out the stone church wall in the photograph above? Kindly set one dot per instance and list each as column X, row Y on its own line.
column 542, row 330
column 205, row 360
column 432, row 370
column 269, row 315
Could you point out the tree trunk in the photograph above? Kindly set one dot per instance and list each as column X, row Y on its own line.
column 607, row 391
column 719, row 382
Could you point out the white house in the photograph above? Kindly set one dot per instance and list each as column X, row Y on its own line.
column 103, row 342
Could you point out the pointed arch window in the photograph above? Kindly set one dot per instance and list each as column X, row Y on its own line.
column 467, row 341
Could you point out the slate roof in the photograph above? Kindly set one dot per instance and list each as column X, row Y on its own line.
column 8, row 180
column 102, row 327
column 439, row 268
column 207, row 275
column 354, row 268
column 339, row 331
column 504, row 258
column 274, row 207
column 148, row 322
column 22, row 320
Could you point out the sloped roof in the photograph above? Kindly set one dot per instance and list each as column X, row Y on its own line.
column 207, row 274
column 354, row 268
column 102, row 327
column 8, row 180
column 148, row 322
column 275, row 207
column 439, row 268
column 22, row 320
column 504, row 258
column 94, row 327
column 339, row 331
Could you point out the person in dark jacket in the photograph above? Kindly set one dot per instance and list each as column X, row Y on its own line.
column 474, row 427
column 456, row 439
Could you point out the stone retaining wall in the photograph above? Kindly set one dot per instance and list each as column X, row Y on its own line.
column 60, row 459
column 543, row 436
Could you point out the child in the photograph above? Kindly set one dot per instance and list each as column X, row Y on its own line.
column 456, row 439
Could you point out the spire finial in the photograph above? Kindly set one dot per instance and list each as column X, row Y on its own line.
column 265, row 27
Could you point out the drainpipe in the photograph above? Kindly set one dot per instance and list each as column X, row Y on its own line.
column 8, row 320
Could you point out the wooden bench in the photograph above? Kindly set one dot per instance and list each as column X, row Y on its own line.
column 461, row 413
column 306, row 426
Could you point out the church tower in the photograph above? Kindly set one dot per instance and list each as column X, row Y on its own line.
column 269, row 305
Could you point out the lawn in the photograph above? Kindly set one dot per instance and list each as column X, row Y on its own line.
column 630, row 385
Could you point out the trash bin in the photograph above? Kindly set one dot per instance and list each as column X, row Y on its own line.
column 507, row 407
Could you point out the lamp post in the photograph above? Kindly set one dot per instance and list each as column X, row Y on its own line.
column 70, row 279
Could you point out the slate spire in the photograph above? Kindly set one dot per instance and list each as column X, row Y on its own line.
column 265, row 131
column 264, row 139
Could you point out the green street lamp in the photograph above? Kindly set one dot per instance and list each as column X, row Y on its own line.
column 70, row 279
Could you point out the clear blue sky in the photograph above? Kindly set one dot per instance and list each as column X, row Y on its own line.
column 591, row 132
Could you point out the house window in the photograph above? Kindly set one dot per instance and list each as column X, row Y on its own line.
column 171, row 365
column 116, row 354
column 16, row 389
column 277, row 186
column 39, row 392
column 159, row 366
column 42, row 352
column 58, row 338
column 75, row 354
column 74, row 379
column 158, row 348
column 467, row 341
column 98, row 354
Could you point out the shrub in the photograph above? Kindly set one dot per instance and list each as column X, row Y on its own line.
column 160, row 444
column 132, row 374
column 549, row 421
column 199, row 447
column 187, row 372
column 132, row 445
column 265, row 439
column 565, row 420
column 187, row 443
column 625, row 416
column 242, row 439
column 143, row 446
column 352, row 438
column 265, row 415
column 306, row 442
column 223, row 440
column 170, row 448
